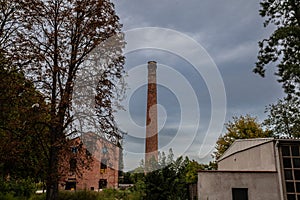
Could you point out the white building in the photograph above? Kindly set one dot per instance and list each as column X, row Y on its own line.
column 254, row 169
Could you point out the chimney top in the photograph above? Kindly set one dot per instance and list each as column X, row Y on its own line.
column 152, row 66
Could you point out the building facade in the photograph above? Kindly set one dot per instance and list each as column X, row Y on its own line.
column 93, row 164
column 262, row 168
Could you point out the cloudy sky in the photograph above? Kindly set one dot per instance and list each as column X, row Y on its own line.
column 205, row 52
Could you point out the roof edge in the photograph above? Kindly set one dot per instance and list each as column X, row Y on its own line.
column 267, row 140
column 236, row 171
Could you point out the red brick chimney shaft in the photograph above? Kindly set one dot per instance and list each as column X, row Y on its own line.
column 151, row 120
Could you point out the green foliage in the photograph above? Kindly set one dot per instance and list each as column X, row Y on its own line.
column 242, row 127
column 38, row 197
column 7, row 196
column 168, row 182
column 21, row 189
column 107, row 194
column 78, row 195
column 124, row 178
column 22, row 115
column 284, row 117
column 283, row 46
column 139, row 187
column 138, row 174
column 191, row 171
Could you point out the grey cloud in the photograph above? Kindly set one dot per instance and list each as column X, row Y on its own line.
column 229, row 31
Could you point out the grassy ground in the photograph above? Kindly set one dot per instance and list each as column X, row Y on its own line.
column 109, row 194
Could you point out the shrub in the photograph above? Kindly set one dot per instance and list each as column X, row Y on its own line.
column 77, row 195
column 7, row 196
column 22, row 188
column 38, row 197
column 107, row 194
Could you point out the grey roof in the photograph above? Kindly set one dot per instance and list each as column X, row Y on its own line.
column 243, row 144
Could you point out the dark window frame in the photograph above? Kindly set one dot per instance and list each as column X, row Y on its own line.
column 290, row 162
column 239, row 193
column 102, row 184
column 73, row 164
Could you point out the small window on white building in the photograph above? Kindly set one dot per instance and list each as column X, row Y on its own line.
column 239, row 193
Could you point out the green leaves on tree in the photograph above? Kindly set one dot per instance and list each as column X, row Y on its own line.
column 242, row 127
column 282, row 48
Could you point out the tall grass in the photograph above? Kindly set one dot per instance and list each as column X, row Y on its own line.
column 107, row 194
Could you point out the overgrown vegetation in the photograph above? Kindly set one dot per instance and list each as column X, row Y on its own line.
column 17, row 189
column 107, row 194
column 171, row 180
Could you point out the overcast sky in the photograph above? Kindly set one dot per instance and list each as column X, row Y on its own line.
column 205, row 52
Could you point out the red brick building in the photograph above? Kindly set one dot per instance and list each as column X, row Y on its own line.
column 92, row 164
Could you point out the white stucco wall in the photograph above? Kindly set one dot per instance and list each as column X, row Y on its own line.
column 217, row 185
column 258, row 158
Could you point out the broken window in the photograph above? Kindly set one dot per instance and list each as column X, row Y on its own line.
column 103, row 166
column 73, row 164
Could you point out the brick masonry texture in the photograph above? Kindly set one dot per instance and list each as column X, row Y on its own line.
column 151, row 146
column 89, row 173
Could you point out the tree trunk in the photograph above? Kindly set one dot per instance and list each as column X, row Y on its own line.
column 52, row 177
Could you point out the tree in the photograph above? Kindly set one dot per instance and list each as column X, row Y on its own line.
column 283, row 46
column 22, row 115
column 168, row 182
column 8, row 22
column 53, row 44
column 242, row 127
column 284, row 117
column 171, row 180
column 192, row 169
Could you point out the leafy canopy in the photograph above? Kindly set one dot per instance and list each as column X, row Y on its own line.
column 23, row 114
column 283, row 46
column 242, row 127
column 170, row 180
column 284, row 117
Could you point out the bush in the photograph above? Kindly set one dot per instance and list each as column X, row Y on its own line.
column 7, row 196
column 77, row 195
column 107, row 194
column 22, row 188
column 38, row 197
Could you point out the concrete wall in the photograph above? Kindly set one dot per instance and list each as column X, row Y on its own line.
column 258, row 158
column 217, row 185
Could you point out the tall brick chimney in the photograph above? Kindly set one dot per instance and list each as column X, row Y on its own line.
column 151, row 147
